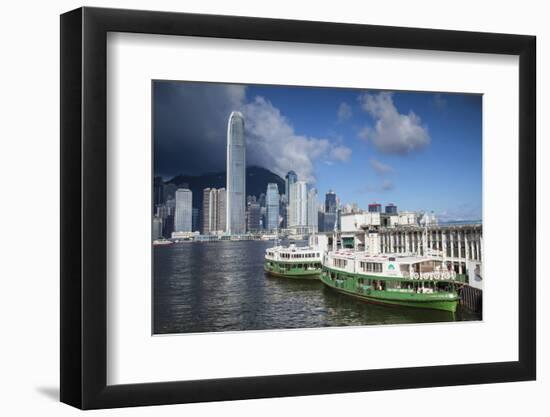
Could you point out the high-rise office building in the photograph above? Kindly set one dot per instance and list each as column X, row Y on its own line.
column 330, row 222
column 290, row 178
column 331, row 204
column 272, row 206
column 213, row 210
column 208, row 206
column 195, row 220
column 283, row 209
column 321, row 221
column 236, row 174
column 263, row 217
column 298, row 204
column 167, row 213
column 169, row 190
column 312, row 216
column 375, row 208
column 184, row 210
column 391, row 209
column 253, row 215
column 221, row 210
column 157, row 227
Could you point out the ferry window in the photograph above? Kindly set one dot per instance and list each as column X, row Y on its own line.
column 339, row 263
column 427, row 266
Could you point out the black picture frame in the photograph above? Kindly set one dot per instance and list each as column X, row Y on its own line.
column 84, row 207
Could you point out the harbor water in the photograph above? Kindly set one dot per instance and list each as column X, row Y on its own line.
column 221, row 286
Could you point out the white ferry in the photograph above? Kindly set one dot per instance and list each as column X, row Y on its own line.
column 405, row 280
column 162, row 242
column 293, row 261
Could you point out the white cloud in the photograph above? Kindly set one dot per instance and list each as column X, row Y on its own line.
column 191, row 132
column 340, row 153
column 273, row 143
column 344, row 112
column 393, row 132
column 462, row 212
column 370, row 187
column 381, row 168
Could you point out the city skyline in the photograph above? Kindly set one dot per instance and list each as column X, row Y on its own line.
column 352, row 141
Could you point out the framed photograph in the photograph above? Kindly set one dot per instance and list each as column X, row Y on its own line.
column 257, row 208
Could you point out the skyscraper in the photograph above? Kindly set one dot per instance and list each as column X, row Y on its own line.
column 253, row 217
column 331, row 208
column 290, row 178
column 208, row 206
column 195, row 220
column 283, row 209
column 184, row 210
column 330, row 202
column 391, row 209
column 221, row 209
column 213, row 210
column 236, row 174
column 312, row 216
column 375, row 208
column 157, row 227
column 168, row 221
column 298, row 204
column 330, row 220
column 272, row 205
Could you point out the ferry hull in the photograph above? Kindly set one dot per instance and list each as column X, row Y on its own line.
column 299, row 274
column 404, row 300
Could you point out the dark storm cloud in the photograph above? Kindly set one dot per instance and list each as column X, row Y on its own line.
column 190, row 126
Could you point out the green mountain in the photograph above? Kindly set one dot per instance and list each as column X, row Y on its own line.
column 257, row 179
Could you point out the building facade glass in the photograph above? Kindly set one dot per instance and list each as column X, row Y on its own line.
column 330, row 202
column 298, row 204
column 272, row 205
column 184, row 210
column 236, row 174
column 312, row 216
column 391, row 209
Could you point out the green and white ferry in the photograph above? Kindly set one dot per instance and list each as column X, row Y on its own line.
column 402, row 280
column 293, row 261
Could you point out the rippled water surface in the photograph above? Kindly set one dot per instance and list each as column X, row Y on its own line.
column 221, row 286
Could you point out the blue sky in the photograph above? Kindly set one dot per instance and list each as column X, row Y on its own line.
column 420, row 151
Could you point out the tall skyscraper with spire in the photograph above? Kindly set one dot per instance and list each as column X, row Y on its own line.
column 236, row 175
